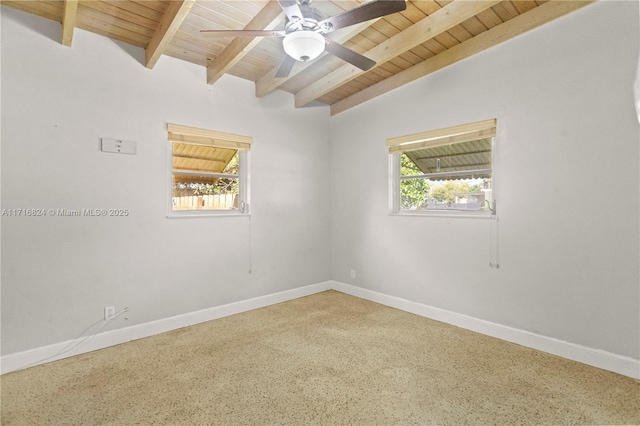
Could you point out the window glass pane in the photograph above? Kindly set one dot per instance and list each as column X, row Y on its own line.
column 233, row 166
column 448, row 194
column 452, row 159
column 447, row 177
column 211, row 159
column 203, row 193
column 205, row 177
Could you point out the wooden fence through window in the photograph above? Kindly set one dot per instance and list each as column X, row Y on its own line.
column 206, row 202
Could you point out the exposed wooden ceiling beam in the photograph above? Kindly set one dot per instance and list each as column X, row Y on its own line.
column 267, row 19
column 268, row 83
column 171, row 21
column 498, row 34
column 437, row 23
column 69, row 21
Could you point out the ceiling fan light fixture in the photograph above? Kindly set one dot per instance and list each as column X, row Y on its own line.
column 303, row 45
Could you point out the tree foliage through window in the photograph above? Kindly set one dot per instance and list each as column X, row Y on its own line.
column 414, row 192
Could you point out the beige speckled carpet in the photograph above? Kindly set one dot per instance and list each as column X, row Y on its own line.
column 323, row 359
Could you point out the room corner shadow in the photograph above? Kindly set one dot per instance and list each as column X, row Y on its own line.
column 137, row 53
column 52, row 30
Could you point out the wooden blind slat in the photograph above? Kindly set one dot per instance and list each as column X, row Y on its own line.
column 446, row 136
column 197, row 136
column 201, row 140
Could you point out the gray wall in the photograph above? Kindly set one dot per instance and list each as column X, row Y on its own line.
column 567, row 186
column 59, row 272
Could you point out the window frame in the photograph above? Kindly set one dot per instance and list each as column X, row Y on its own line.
column 433, row 138
column 197, row 136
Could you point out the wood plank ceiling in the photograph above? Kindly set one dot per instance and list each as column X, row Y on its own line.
column 427, row 36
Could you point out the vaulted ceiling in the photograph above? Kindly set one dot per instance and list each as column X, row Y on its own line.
column 427, row 36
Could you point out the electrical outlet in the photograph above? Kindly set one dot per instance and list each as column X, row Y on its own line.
column 109, row 312
column 353, row 273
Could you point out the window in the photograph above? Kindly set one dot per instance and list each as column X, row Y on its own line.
column 445, row 170
column 209, row 172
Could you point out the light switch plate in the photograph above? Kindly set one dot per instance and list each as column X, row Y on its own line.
column 118, row 146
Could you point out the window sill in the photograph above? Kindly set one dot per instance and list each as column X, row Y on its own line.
column 200, row 214
column 445, row 213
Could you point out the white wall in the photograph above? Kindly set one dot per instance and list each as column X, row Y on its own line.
column 567, row 186
column 58, row 273
column 568, row 145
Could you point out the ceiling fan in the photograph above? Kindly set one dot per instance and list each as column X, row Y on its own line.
column 305, row 27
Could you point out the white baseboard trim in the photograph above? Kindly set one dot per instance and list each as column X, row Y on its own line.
column 601, row 359
column 597, row 358
column 45, row 354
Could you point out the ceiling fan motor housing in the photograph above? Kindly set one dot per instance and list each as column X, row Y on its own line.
column 304, row 40
column 308, row 21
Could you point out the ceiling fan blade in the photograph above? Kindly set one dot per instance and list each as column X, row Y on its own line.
column 285, row 67
column 291, row 9
column 243, row 33
column 348, row 55
column 362, row 13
